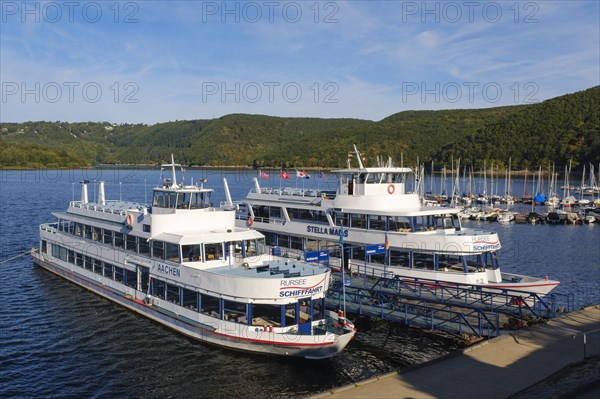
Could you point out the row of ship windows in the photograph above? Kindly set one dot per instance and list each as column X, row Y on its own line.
column 160, row 249
column 405, row 258
column 251, row 314
column 263, row 213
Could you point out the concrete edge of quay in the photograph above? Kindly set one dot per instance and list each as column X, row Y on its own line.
column 512, row 334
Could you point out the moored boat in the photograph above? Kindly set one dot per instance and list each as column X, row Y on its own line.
column 384, row 228
column 183, row 263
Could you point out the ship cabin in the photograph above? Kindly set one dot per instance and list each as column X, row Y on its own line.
column 372, row 181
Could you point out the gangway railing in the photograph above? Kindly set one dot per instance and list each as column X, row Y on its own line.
column 478, row 322
column 436, row 304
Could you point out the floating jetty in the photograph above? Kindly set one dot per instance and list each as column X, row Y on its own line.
column 463, row 310
column 497, row 368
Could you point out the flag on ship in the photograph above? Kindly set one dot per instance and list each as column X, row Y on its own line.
column 321, row 175
column 262, row 174
column 302, row 175
column 284, row 175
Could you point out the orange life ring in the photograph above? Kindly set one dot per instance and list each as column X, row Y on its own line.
column 129, row 219
column 391, row 189
column 250, row 221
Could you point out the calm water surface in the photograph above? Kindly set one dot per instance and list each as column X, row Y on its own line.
column 59, row 340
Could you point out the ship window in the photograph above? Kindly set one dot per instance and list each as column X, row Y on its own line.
column 87, row 263
column 173, row 293
column 131, row 278
column 283, row 240
column 164, row 200
column 400, row 223
column 172, row 252
column 88, row 232
column 189, row 299
column 79, row 260
column 158, row 288
column 158, row 249
column 358, row 253
column 213, row 251
column 191, row 253
column 358, row 221
column 270, row 238
column 131, row 242
column 97, row 266
column 119, row 274
column 183, row 201
column 144, row 246
column 71, row 256
column 59, row 252
column 44, row 246
column 342, row 219
column 318, row 309
column 290, row 314
column 210, row 305
column 250, row 246
column 145, row 277
column 423, row 261
column 377, row 258
column 201, row 200
column 400, row 258
column 234, row 311
column 108, row 236
column 266, row 315
column 450, row 262
column 296, row 243
column 79, row 229
column 377, row 222
column 274, row 212
column 119, row 240
column 96, row 234
column 146, row 228
column 108, row 270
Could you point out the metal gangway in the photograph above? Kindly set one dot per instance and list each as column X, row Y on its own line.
column 436, row 305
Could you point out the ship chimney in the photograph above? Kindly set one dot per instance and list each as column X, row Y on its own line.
column 101, row 197
column 84, row 191
column 227, row 193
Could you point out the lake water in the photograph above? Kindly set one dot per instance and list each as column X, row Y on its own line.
column 59, row 340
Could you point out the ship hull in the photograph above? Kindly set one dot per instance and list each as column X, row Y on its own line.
column 218, row 332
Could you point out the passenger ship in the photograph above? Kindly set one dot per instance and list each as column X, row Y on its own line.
column 385, row 230
column 183, row 263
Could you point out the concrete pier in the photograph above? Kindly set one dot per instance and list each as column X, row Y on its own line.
column 497, row 368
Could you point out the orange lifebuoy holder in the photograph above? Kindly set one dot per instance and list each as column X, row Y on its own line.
column 250, row 221
column 391, row 189
column 129, row 220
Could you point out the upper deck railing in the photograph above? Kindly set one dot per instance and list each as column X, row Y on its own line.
column 295, row 192
column 113, row 207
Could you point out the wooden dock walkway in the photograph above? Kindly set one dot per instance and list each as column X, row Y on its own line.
column 497, row 368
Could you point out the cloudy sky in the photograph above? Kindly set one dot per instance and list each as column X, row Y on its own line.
column 158, row 61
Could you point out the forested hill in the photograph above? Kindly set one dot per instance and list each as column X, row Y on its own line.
column 557, row 130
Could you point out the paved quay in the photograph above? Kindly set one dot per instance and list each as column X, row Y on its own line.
column 498, row 368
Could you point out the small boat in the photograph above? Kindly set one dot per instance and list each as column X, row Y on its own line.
column 183, row 263
column 506, row 217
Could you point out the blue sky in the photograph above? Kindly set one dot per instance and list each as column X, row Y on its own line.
column 158, row 61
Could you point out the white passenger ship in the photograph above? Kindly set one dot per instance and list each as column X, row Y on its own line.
column 374, row 208
column 184, row 263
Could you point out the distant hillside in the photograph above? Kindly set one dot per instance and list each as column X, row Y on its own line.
column 556, row 130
